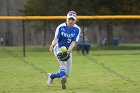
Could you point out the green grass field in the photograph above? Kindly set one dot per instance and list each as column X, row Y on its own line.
column 102, row 71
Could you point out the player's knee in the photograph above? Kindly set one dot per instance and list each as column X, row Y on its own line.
column 62, row 73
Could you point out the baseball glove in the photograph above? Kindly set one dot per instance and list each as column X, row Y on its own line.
column 63, row 56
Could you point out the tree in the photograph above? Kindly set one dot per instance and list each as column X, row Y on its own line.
column 84, row 7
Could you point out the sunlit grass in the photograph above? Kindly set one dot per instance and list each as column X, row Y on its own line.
column 102, row 71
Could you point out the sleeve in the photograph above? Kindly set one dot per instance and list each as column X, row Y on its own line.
column 57, row 32
column 76, row 37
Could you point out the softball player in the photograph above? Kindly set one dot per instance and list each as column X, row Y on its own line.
column 66, row 34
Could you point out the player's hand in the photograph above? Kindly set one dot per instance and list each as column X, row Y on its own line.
column 51, row 48
column 68, row 52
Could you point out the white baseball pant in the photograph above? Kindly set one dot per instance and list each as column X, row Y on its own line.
column 66, row 65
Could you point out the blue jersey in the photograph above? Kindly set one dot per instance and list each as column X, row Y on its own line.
column 66, row 35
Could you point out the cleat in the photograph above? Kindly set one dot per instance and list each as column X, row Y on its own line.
column 63, row 82
column 49, row 82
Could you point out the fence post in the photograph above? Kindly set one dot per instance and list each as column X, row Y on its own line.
column 24, row 46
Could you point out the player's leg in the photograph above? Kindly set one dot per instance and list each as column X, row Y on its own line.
column 63, row 78
column 69, row 65
column 62, row 73
column 62, row 65
column 52, row 76
column 62, row 70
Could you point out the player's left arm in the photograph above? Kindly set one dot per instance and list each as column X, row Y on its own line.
column 72, row 45
column 75, row 39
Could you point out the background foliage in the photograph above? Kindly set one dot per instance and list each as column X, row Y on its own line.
column 84, row 7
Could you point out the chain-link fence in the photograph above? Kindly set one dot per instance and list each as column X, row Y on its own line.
column 40, row 33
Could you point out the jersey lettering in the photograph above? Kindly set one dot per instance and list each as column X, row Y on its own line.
column 67, row 35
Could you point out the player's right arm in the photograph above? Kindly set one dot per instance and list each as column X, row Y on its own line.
column 55, row 40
